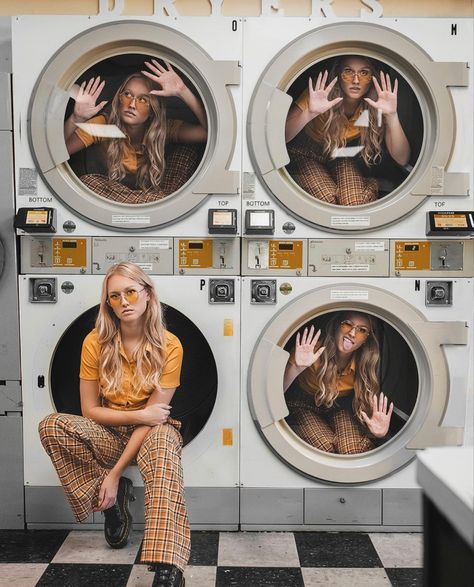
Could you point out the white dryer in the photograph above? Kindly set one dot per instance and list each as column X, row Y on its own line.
column 205, row 52
column 58, row 309
column 425, row 321
column 431, row 60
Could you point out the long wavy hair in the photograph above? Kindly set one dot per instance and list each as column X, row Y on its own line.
column 152, row 165
column 320, row 381
column 150, row 354
column 335, row 120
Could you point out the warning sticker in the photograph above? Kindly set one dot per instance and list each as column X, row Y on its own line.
column 349, row 294
column 27, row 182
column 355, row 221
column 125, row 219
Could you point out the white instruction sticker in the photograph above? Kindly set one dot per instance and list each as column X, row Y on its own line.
column 145, row 266
column 156, row 244
column 349, row 267
column 125, row 219
column 350, row 220
column 369, row 246
column 349, row 294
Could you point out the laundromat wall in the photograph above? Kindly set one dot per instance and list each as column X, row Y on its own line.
column 256, row 487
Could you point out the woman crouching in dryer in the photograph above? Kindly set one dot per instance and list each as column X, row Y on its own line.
column 336, row 404
column 136, row 170
column 130, row 369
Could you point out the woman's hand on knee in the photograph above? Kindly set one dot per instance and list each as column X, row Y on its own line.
column 155, row 414
column 108, row 492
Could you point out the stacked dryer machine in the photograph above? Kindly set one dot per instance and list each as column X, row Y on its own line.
column 188, row 242
column 400, row 259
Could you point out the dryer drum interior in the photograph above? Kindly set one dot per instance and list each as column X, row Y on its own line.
column 194, row 399
column 393, row 189
column 193, row 167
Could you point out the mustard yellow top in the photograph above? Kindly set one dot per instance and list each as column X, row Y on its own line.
column 131, row 160
column 128, row 397
column 314, row 128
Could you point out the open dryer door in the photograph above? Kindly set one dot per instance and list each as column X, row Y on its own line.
column 432, row 399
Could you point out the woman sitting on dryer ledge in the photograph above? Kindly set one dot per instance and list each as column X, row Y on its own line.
column 335, row 402
column 130, row 369
column 135, row 169
column 354, row 109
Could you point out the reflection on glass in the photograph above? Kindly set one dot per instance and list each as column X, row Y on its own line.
column 136, row 151
column 345, row 388
column 346, row 140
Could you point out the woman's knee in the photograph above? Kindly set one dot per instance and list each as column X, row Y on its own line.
column 49, row 426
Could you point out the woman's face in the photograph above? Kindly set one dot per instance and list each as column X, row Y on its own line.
column 127, row 298
column 134, row 103
column 352, row 333
column 355, row 77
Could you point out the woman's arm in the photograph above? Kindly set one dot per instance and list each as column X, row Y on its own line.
column 303, row 356
column 318, row 103
column 395, row 138
column 172, row 85
column 109, row 487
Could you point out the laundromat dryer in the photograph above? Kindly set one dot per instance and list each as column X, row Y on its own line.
column 58, row 307
column 420, row 296
column 198, row 193
column 432, row 63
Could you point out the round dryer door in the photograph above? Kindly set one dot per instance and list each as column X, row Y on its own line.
column 194, row 400
column 96, row 163
column 412, row 371
column 344, row 168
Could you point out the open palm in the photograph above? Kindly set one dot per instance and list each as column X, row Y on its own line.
column 166, row 77
column 88, row 93
column 386, row 97
column 304, row 348
column 318, row 96
column 379, row 422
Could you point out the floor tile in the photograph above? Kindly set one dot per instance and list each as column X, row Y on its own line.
column 314, row 577
column 261, row 577
column 90, row 547
column 21, row 574
column 140, row 576
column 30, row 546
column 257, row 549
column 405, row 577
column 74, row 575
column 200, row 576
column 399, row 550
column 336, row 549
column 204, row 548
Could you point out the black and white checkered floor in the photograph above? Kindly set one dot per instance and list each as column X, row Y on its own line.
column 287, row 559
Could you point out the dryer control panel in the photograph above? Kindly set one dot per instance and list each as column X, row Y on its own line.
column 432, row 258
column 153, row 254
column 348, row 257
column 207, row 256
column 55, row 255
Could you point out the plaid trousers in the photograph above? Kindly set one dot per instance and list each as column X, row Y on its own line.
column 83, row 452
column 335, row 430
column 337, row 182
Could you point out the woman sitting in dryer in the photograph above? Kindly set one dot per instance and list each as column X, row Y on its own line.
column 332, row 388
column 138, row 161
column 346, row 124
column 130, row 369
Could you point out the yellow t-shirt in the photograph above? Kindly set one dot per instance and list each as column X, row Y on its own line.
column 123, row 399
column 314, row 128
column 131, row 160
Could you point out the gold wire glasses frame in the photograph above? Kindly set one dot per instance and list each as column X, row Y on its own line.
column 348, row 74
column 361, row 331
column 131, row 295
column 142, row 102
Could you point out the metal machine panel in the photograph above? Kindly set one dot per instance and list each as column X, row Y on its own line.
column 402, row 507
column 269, row 505
column 49, row 503
column 432, row 258
column 62, row 255
column 11, row 484
column 208, row 256
column 343, row 506
column 5, row 102
column 263, row 256
column 213, row 505
column 348, row 257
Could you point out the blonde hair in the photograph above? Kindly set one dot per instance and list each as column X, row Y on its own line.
column 321, row 381
column 149, row 363
column 334, row 120
column 152, row 165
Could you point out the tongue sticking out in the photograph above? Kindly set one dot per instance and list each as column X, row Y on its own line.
column 347, row 344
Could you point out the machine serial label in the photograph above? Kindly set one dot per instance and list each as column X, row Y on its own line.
column 125, row 219
column 349, row 294
column 349, row 267
column 369, row 246
column 350, row 220
column 155, row 244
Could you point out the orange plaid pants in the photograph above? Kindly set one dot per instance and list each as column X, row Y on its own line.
column 83, row 452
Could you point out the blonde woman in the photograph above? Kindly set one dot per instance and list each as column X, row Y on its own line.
column 130, row 369
column 337, row 405
column 330, row 116
column 137, row 171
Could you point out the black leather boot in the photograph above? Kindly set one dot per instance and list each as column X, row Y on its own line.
column 118, row 519
column 167, row 576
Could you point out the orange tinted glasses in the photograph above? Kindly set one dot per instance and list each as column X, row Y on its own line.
column 131, row 295
column 361, row 331
column 364, row 75
column 141, row 102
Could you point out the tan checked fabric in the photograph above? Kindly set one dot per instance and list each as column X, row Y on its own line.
column 337, row 182
column 181, row 163
column 83, row 452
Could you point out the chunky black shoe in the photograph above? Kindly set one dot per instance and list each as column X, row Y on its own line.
column 167, row 576
column 118, row 519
